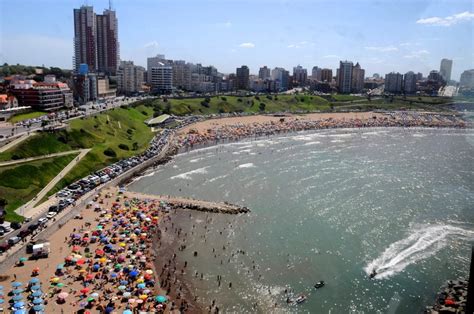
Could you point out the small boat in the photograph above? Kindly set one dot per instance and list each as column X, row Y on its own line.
column 319, row 284
column 373, row 274
column 300, row 299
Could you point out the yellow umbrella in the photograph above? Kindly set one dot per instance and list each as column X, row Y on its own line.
column 149, row 271
column 55, row 279
column 122, row 244
column 143, row 297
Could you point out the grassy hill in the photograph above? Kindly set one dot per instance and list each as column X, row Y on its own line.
column 19, row 184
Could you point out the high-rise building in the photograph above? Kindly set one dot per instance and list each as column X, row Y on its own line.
column 154, row 62
column 419, row 76
column 445, row 69
column 282, row 78
column 85, row 38
column 467, row 79
column 107, row 43
column 264, row 73
column 326, row 75
column 409, row 83
column 393, row 83
column 300, row 75
column 344, row 77
column 435, row 76
column 130, row 77
column 182, row 74
column 358, row 75
column 242, row 77
column 162, row 79
column 316, row 73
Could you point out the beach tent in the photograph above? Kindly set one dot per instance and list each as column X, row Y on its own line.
column 160, row 299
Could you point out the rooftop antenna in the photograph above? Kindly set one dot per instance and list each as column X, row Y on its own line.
column 110, row 5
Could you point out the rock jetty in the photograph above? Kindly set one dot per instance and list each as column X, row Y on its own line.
column 451, row 299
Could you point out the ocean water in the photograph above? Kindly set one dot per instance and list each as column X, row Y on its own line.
column 327, row 205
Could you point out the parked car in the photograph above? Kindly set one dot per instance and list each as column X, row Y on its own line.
column 34, row 226
column 24, row 233
column 53, row 209
column 51, row 215
column 14, row 240
column 43, row 220
column 4, row 246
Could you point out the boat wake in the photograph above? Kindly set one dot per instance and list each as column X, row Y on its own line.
column 422, row 243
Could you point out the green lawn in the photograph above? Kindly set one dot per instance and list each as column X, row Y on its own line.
column 20, row 183
column 121, row 131
column 344, row 97
column 26, row 116
column 250, row 104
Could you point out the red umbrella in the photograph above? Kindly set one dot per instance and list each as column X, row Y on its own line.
column 76, row 248
column 99, row 252
column 84, row 291
column 89, row 277
column 81, row 261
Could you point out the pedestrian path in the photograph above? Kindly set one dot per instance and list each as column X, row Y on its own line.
column 29, row 209
column 20, row 161
column 16, row 141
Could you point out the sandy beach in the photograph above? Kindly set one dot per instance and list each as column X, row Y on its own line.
column 103, row 262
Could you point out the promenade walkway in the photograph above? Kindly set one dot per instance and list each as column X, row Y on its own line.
column 16, row 141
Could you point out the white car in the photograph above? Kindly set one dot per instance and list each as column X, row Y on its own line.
column 43, row 220
column 51, row 215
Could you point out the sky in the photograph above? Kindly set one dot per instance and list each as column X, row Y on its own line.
column 382, row 35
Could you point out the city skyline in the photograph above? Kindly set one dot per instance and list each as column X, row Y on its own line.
column 222, row 33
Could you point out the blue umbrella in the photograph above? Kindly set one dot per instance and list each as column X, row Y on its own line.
column 16, row 284
column 127, row 312
column 134, row 273
column 17, row 297
column 18, row 304
column 37, row 301
column 160, row 298
column 19, row 312
column 124, row 282
column 2, row 301
column 141, row 286
column 34, row 280
column 60, row 266
column 38, row 307
column 37, row 293
column 1, row 287
column 17, row 291
column 35, row 287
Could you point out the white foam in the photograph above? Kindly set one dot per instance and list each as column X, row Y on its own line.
column 312, row 143
column 423, row 242
column 197, row 159
column 249, row 165
column 337, row 141
column 187, row 175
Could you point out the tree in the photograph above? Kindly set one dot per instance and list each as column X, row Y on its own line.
column 262, row 106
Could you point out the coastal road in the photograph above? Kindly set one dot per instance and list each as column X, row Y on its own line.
column 16, row 141
column 29, row 209
column 20, row 161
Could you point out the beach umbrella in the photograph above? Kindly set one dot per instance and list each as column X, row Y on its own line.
column 35, row 287
column 81, row 261
column 60, row 285
column 16, row 284
column 63, row 295
column 38, row 308
column 127, row 294
column 143, row 297
column 60, row 266
column 20, row 311
column 131, row 301
column 84, row 290
column 17, row 297
column 123, row 282
column 113, row 275
column 90, row 299
column 23, row 259
column 149, row 271
column 139, row 301
column 141, row 286
column 19, row 304
column 95, row 295
column 122, row 287
column 127, row 312
column 37, row 294
column 55, row 279
column 134, row 273
column 1, row 287
column 2, row 301
column 34, row 280
column 76, row 248
column 89, row 277
column 17, row 291
column 37, row 301
column 160, row 298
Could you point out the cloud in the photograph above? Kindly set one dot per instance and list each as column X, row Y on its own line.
column 301, row 44
column 417, row 54
column 448, row 20
column 382, row 48
column 247, row 45
column 151, row 44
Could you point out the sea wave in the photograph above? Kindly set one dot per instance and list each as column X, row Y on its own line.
column 423, row 242
column 312, row 143
column 248, row 165
column 187, row 175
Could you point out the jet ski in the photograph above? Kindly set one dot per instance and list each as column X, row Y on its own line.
column 373, row 274
column 319, row 284
column 302, row 298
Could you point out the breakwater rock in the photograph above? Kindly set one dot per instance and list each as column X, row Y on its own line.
column 451, row 298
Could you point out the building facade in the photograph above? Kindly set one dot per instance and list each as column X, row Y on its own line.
column 467, row 79
column 264, row 73
column 107, row 43
column 130, row 78
column 344, row 77
column 393, row 83
column 445, row 69
column 358, row 76
column 85, row 38
column 42, row 96
column 154, row 62
column 316, row 73
column 326, row 75
column 300, row 75
column 242, row 77
column 162, row 79
column 409, row 83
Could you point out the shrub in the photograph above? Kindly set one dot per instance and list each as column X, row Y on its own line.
column 130, row 131
column 123, row 147
column 269, row 97
column 205, row 104
column 110, row 152
column 257, row 98
column 208, row 99
column 144, row 113
column 224, row 98
column 239, row 99
column 135, row 146
column 262, row 106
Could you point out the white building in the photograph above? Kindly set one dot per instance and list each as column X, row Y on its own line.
column 154, row 62
column 467, row 79
column 162, row 79
column 393, row 83
column 316, row 73
column 409, row 83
